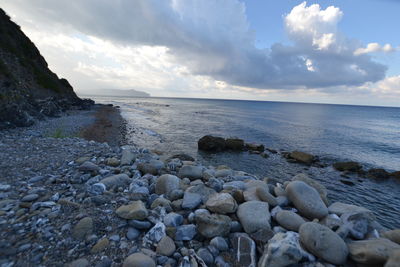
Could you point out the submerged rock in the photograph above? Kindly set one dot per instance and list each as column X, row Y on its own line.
column 349, row 166
column 211, row 143
column 302, row 157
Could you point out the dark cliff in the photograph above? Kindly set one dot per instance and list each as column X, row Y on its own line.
column 28, row 89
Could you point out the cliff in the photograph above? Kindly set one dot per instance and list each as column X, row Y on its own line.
column 28, row 89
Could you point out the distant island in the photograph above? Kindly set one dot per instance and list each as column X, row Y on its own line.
column 120, row 92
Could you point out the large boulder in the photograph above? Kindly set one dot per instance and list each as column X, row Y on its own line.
column 213, row 225
column 349, row 166
column 307, row 200
column 211, row 143
column 221, row 203
column 166, row 183
column 191, row 172
column 289, row 220
column 392, row 235
column 323, row 242
column 254, row 216
column 234, row 144
column 393, row 260
column 372, row 251
column 313, row 183
column 378, row 174
column 340, row 208
column 115, row 181
column 302, row 157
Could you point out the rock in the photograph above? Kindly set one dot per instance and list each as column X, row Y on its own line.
column 234, row 144
column 313, row 183
column 289, row 220
column 211, row 143
column 340, row 208
column 306, row 199
column 185, row 232
column 141, row 225
column 83, row 228
column 166, row 183
column 302, row 157
column 191, row 172
column 127, row 157
column 115, row 181
column 347, row 182
column 254, row 215
column 395, row 175
column 357, row 223
column 219, row 243
column 30, row 198
column 216, row 184
column 204, row 191
column 96, row 189
column 89, row 167
column 166, row 246
column 323, row 242
column 213, row 225
column 255, row 147
column 378, row 174
column 136, row 210
column 264, row 195
column 394, row 259
column 113, row 162
column 139, row 260
column 173, row 219
column 349, row 166
column 244, row 250
column 392, row 235
column 100, row 246
column 132, row 233
column 283, row 249
column 206, row 256
column 152, row 167
column 372, row 251
column 223, row 173
column 140, row 193
column 79, row 263
column 191, row 200
column 154, row 235
column 161, row 202
column 182, row 157
column 222, row 203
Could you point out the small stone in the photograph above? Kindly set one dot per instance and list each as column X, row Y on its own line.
column 83, row 228
column 322, row 191
column 254, row 215
column 115, row 181
column 264, row 195
column 141, row 225
column 244, row 250
column 30, row 198
column 340, row 208
column 206, row 256
column 132, row 233
column 136, row 210
column 127, row 157
column 213, row 225
column 222, row 203
column 79, row 263
column 139, row 260
column 113, row 162
column 185, row 232
column 101, row 245
column 289, row 220
column 166, row 246
column 191, row 172
column 173, row 219
column 219, row 243
column 96, row 189
column 89, row 167
column 166, row 183
column 191, row 200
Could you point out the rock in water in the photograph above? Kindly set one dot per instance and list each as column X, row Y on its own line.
column 372, row 251
column 289, row 220
column 221, row 203
column 392, row 235
column 83, row 228
column 283, row 249
column 136, row 210
column 213, row 225
column 244, row 250
column 350, row 166
column 323, row 242
column 235, row 144
column 166, row 183
column 139, row 260
column 254, row 215
column 211, row 143
column 302, row 157
column 340, row 208
column 306, row 199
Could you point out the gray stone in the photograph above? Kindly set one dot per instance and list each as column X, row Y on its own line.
column 191, row 200
column 132, row 233
column 393, row 260
column 323, row 242
column 152, row 167
column 191, row 172
column 173, row 219
column 115, row 181
column 313, row 183
column 136, row 210
column 154, row 235
column 264, row 195
column 219, row 243
column 254, row 215
column 30, row 197
column 127, row 157
column 89, row 167
column 221, row 203
column 213, row 225
column 140, row 193
column 206, row 256
column 357, row 223
column 283, row 249
column 96, row 189
column 306, row 199
column 289, row 220
column 166, row 183
column 392, row 235
column 373, row 251
column 83, row 228
column 340, row 208
column 185, row 232
column 215, row 184
column 244, row 250
column 139, row 260
column 141, row 225
column 204, row 191
column 166, row 246
column 79, row 263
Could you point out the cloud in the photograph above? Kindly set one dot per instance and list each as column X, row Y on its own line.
column 374, row 47
column 206, row 38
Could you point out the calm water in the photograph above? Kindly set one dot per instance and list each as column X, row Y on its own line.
column 370, row 135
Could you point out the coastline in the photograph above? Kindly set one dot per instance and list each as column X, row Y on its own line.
column 76, row 202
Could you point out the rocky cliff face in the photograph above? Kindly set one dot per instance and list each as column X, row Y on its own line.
column 28, row 89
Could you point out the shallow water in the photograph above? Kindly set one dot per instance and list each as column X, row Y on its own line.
column 369, row 135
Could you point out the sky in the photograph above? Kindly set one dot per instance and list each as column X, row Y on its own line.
column 344, row 52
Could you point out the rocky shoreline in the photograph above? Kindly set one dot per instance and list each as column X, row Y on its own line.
column 72, row 202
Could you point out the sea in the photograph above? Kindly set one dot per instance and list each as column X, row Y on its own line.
column 366, row 134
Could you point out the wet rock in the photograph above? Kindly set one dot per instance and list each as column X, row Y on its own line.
column 306, row 199
column 139, row 260
column 213, row 225
column 340, row 208
column 204, row 191
column 222, row 203
column 191, row 200
column 83, row 228
column 289, row 220
column 302, row 157
column 234, row 144
column 182, row 157
column 152, row 167
column 136, row 210
column 378, row 174
column 115, row 181
column 392, row 235
column 211, row 143
column 244, row 250
column 166, row 183
column 372, row 251
column 141, row 225
column 323, row 242
column 349, row 166
column 284, row 249
column 347, row 182
column 255, row 147
column 215, row 184
column 185, row 232
column 357, row 223
column 191, row 172
column 166, row 246
column 254, row 215
column 96, row 189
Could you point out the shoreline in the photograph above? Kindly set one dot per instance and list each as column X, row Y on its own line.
column 66, row 201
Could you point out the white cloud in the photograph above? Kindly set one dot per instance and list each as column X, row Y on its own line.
column 374, row 47
column 187, row 44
